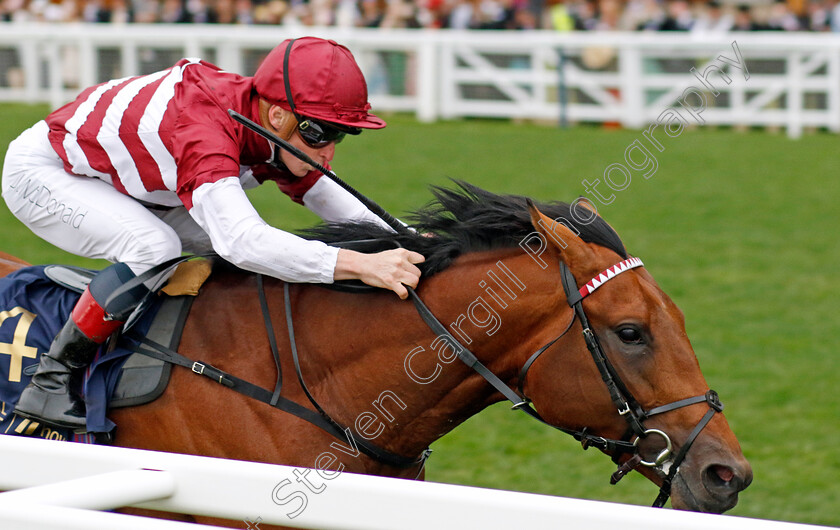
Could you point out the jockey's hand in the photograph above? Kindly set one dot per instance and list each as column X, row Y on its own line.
column 391, row 269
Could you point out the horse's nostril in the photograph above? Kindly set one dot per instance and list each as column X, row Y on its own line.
column 722, row 479
column 723, row 472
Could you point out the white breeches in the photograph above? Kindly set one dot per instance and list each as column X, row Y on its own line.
column 87, row 216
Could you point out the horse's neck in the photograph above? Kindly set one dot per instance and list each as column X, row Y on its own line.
column 9, row 264
column 374, row 364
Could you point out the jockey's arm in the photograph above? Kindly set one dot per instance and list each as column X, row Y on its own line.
column 242, row 237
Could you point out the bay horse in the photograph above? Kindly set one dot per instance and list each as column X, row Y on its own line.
column 535, row 292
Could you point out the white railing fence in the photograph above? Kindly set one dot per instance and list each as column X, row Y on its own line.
column 60, row 485
column 790, row 81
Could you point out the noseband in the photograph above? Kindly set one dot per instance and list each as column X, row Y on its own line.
column 626, row 405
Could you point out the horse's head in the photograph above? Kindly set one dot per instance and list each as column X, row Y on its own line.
column 637, row 361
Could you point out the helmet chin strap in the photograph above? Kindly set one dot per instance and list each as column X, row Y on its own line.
column 284, row 129
column 288, row 120
column 287, row 85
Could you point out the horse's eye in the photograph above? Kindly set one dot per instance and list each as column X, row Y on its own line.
column 630, row 335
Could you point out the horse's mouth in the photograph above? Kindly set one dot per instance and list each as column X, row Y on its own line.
column 716, row 491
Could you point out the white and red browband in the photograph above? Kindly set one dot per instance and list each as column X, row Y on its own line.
column 608, row 274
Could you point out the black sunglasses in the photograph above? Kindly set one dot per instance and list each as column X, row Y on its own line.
column 319, row 134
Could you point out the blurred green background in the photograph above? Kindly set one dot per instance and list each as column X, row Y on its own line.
column 739, row 227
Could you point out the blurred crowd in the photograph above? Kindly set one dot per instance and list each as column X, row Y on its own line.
column 559, row 15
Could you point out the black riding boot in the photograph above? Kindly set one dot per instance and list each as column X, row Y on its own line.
column 54, row 394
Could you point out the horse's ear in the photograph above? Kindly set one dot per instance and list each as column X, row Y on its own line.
column 572, row 248
column 584, row 202
column 590, row 209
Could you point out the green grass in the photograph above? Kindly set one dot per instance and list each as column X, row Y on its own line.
column 737, row 227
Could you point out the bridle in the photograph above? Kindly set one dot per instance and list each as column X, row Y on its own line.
column 626, row 405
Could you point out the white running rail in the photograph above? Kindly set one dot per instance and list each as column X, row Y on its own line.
column 60, row 485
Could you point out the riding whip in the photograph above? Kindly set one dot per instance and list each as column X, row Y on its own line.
column 300, row 155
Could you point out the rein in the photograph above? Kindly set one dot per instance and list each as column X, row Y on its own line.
column 626, row 405
column 371, row 450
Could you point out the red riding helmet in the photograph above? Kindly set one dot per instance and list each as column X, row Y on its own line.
column 319, row 79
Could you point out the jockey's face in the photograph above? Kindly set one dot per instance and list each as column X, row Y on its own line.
column 285, row 125
column 322, row 155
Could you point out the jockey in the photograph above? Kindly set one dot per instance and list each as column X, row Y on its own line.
column 140, row 169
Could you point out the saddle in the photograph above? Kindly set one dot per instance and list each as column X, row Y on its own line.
column 35, row 303
column 143, row 379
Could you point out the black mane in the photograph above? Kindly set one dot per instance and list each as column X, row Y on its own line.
column 467, row 219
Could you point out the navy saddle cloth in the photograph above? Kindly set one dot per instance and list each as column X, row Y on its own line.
column 33, row 309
